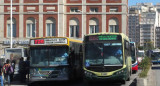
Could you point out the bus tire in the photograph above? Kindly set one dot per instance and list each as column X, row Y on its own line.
column 87, row 82
column 123, row 81
column 131, row 72
column 129, row 76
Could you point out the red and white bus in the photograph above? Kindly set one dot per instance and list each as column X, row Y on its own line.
column 134, row 57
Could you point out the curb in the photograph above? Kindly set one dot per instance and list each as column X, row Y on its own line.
column 148, row 81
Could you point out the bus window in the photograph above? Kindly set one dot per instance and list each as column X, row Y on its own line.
column 113, row 54
column 93, row 54
column 49, row 56
column 42, row 55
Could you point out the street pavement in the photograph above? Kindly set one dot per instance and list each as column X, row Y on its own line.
column 156, row 73
column 15, row 83
column 132, row 82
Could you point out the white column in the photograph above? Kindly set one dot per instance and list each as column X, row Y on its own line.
column 2, row 20
column 40, row 19
column 11, row 23
column 21, row 20
column 61, row 18
column 58, row 18
column 83, row 18
column 103, row 16
column 64, row 19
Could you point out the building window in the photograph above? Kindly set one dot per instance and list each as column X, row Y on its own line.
column 74, row 9
column 50, row 27
column 74, row 28
column 31, row 28
column 113, row 9
column 93, row 9
column 113, row 25
column 113, row 28
column 13, row 28
column 94, row 29
column 74, row 31
column 93, row 25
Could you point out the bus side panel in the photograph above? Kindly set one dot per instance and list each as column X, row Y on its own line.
column 76, row 60
column 128, row 62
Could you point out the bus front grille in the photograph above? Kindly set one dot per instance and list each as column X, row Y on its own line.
column 50, row 74
column 44, row 72
column 104, row 68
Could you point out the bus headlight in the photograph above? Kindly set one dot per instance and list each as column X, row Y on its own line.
column 119, row 72
column 88, row 73
column 33, row 72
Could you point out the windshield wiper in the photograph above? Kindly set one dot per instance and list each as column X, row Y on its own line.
column 96, row 64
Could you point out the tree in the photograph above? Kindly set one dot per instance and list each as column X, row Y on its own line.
column 148, row 46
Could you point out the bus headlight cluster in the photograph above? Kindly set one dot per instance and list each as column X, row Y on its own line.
column 88, row 73
column 119, row 72
column 33, row 72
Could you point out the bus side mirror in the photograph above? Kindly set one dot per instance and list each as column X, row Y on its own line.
column 132, row 48
column 126, row 45
column 80, row 48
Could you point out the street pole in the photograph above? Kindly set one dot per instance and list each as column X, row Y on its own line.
column 58, row 17
column 11, row 24
column 82, row 19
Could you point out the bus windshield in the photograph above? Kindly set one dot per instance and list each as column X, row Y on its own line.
column 103, row 54
column 49, row 56
column 133, row 56
column 155, row 55
column 140, row 54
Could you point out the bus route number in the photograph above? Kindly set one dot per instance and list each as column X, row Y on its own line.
column 39, row 41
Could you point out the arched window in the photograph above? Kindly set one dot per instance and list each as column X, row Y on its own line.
column 50, row 27
column 31, row 27
column 13, row 27
column 74, row 27
column 94, row 25
column 113, row 25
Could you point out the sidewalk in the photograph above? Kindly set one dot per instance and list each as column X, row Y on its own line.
column 149, row 80
column 16, row 83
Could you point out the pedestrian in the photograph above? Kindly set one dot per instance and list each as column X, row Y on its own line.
column 7, row 70
column 27, row 64
column 1, row 78
column 22, row 70
column 13, row 62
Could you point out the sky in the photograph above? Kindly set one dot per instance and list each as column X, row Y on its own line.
column 133, row 2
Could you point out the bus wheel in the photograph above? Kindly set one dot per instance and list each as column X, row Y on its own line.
column 87, row 82
column 128, row 78
column 123, row 81
column 129, row 75
column 130, row 72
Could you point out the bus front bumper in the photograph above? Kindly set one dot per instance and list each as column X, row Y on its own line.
column 34, row 79
column 156, row 61
column 114, row 77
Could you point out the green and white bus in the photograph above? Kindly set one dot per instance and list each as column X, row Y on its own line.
column 106, row 56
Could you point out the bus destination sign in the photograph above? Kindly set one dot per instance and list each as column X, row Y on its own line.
column 103, row 37
column 48, row 41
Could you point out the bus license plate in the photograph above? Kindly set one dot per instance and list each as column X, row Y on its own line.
column 104, row 74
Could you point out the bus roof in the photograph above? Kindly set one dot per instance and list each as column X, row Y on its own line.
column 69, row 40
column 75, row 40
column 140, row 50
column 106, row 33
column 47, row 37
column 132, row 42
